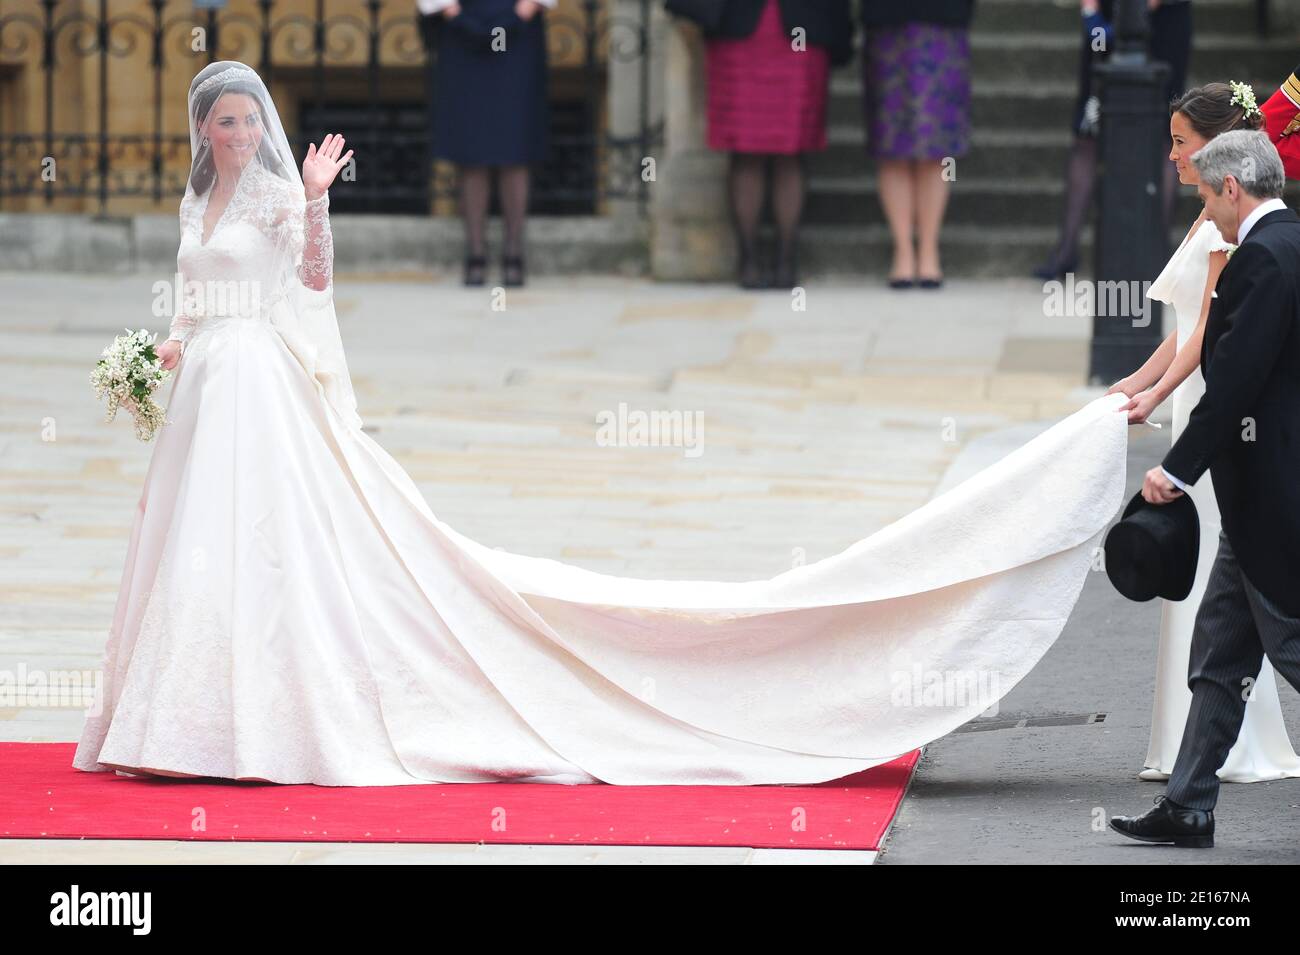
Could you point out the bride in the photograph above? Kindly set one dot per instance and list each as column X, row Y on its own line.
column 292, row 611
column 1263, row 750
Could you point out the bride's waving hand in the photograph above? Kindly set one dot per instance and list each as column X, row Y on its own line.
column 321, row 166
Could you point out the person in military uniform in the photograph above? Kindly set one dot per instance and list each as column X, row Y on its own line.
column 1282, row 123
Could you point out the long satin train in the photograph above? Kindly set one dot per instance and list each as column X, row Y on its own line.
column 292, row 610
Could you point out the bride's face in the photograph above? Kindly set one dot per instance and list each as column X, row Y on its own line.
column 1186, row 141
column 234, row 131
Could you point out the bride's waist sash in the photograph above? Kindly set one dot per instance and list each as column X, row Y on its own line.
column 255, row 308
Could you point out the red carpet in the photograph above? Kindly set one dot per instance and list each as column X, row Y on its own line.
column 42, row 796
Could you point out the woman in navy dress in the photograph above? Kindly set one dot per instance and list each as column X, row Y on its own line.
column 490, row 113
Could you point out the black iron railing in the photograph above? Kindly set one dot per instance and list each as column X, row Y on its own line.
column 357, row 67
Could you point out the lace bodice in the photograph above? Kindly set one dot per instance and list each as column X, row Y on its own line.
column 266, row 237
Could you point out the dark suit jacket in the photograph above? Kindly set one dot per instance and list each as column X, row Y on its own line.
column 828, row 23
column 1251, row 361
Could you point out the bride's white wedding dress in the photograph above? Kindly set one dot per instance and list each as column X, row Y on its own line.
column 291, row 609
column 1263, row 750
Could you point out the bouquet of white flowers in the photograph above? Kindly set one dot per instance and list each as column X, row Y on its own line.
column 128, row 375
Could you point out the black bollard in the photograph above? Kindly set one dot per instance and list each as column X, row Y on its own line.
column 1132, row 243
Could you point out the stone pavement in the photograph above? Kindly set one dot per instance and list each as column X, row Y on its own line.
column 817, row 428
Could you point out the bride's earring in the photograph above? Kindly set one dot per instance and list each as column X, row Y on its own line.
column 204, row 142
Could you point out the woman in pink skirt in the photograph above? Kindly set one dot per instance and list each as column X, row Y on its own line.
column 768, row 66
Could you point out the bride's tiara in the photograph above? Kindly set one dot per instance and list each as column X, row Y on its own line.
column 225, row 76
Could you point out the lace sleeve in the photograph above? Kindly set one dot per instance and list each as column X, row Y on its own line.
column 317, row 268
column 302, row 230
column 183, row 322
column 186, row 315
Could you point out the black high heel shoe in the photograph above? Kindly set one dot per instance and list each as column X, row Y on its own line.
column 786, row 273
column 512, row 270
column 751, row 272
column 476, row 270
column 1053, row 269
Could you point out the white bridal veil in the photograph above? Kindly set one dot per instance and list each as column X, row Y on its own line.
column 267, row 195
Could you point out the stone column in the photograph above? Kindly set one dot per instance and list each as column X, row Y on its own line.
column 691, row 235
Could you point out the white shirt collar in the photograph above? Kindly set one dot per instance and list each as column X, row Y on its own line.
column 1261, row 210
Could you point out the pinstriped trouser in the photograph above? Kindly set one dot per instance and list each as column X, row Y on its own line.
column 1235, row 626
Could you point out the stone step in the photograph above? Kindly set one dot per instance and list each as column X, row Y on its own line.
column 994, row 103
column 1030, row 99
column 363, row 243
column 1013, row 153
column 1029, row 202
column 413, row 247
column 1219, row 17
column 1030, row 57
column 967, row 250
column 1000, row 104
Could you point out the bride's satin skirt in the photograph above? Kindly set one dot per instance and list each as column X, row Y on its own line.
column 291, row 610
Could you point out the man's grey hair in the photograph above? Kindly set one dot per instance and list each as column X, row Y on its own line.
column 1248, row 156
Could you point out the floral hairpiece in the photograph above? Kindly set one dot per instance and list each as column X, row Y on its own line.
column 1244, row 96
column 231, row 74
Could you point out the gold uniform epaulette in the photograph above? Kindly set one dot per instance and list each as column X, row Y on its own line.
column 1291, row 90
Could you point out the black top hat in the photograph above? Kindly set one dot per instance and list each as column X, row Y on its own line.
column 1152, row 551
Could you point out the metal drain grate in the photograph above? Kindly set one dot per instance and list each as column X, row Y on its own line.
column 1079, row 719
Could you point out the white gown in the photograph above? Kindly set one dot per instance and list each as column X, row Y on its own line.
column 291, row 610
column 1263, row 750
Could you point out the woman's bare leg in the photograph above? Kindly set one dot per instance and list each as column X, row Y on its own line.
column 931, row 190
column 897, row 197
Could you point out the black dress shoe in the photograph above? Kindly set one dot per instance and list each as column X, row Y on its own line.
column 512, row 271
column 751, row 274
column 786, row 273
column 475, row 269
column 1167, row 821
